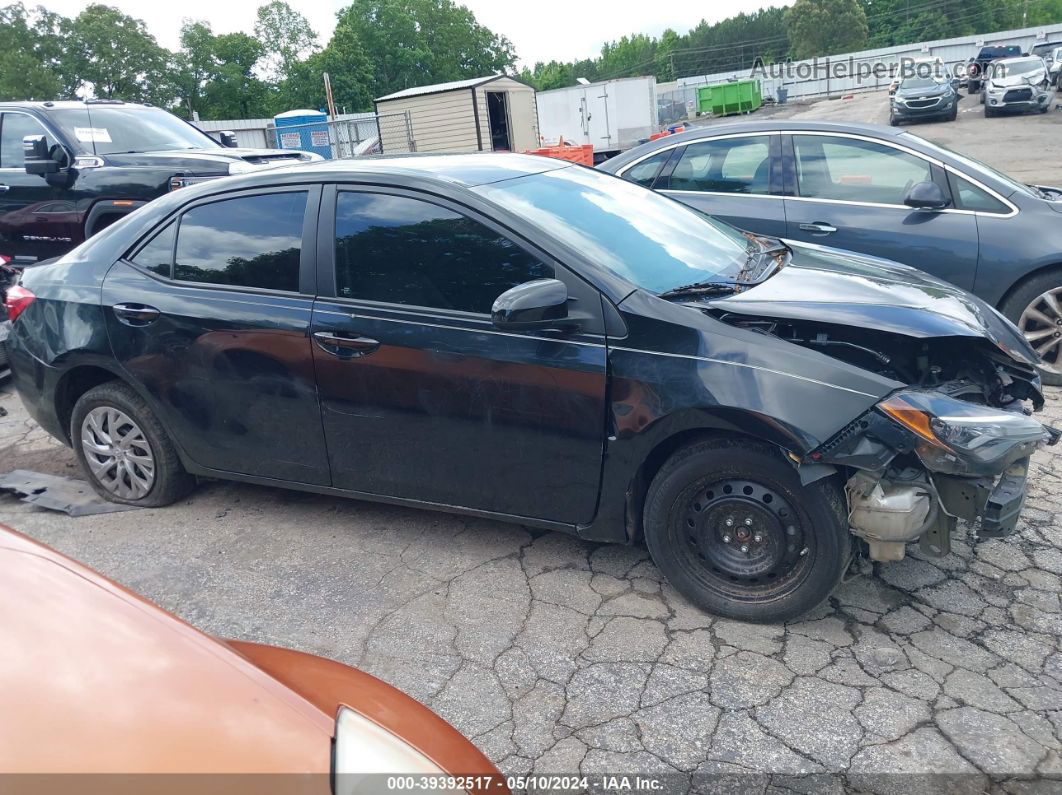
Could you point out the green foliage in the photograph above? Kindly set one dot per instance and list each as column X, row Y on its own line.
column 417, row 42
column 286, row 37
column 30, row 48
column 826, row 27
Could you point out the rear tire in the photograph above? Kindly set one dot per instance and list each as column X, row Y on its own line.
column 730, row 525
column 1016, row 307
column 124, row 451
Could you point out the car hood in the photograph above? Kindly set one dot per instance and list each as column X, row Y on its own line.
column 932, row 91
column 206, row 161
column 844, row 288
column 1030, row 79
column 95, row 679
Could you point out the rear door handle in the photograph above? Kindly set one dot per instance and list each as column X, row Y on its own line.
column 819, row 228
column 136, row 314
column 345, row 347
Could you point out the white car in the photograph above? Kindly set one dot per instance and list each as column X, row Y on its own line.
column 1019, row 84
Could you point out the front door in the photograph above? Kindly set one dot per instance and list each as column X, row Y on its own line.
column 211, row 318
column 36, row 219
column 421, row 397
column 731, row 179
column 850, row 193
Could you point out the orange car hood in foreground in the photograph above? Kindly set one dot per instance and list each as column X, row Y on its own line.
column 96, row 679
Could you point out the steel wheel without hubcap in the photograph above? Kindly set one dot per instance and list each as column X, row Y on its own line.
column 745, row 541
column 117, row 452
column 1041, row 323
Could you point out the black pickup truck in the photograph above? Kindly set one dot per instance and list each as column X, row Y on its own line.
column 69, row 169
column 975, row 68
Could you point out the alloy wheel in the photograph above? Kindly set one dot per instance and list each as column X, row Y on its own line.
column 118, row 452
column 1041, row 323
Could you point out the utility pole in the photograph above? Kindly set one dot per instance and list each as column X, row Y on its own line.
column 328, row 97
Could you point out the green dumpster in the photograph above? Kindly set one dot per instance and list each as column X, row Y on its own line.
column 726, row 99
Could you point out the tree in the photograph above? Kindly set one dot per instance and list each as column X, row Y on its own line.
column 286, row 38
column 825, row 27
column 348, row 69
column 31, row 53
column 418, row 42
column 114, row 57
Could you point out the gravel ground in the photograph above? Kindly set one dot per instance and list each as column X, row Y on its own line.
column 559, row 656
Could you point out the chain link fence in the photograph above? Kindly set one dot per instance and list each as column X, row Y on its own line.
column 346, row 138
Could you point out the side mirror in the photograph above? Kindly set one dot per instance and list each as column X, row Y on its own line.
column 541, row 304
column 38, row 159
column 955, row 82
column 227, row 139
column 926, row 196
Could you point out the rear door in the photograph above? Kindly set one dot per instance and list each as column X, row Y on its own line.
column 36, row 218
column 422, row 398
column 847, row 192
column 211, row 317
column 735, row 178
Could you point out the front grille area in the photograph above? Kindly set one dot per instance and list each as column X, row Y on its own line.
column 922, row 104
column 1018, row 95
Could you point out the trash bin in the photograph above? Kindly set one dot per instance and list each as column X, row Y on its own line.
column 782, row 95
column 305, row 130
column 726, row 99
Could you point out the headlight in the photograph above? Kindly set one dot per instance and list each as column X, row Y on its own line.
column 960, row 438
column 364, row 748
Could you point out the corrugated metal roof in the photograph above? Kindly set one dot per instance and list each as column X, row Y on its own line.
column 439, row 88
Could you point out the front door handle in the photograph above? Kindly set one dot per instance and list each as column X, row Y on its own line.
column 345, row 347
column 136, row 314
column 818, row 228
column 4, row 188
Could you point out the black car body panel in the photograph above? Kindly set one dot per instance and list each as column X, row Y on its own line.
column 555, row 428
column 43, row 216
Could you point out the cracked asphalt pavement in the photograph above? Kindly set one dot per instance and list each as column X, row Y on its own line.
column 560, row 656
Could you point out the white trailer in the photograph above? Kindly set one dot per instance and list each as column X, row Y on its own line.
column 612, row 115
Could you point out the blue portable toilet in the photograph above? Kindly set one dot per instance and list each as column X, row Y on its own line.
column 305, row 130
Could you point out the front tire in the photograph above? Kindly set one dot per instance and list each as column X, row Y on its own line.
column 1035, row 307
column 730, row 525
column 123, row 449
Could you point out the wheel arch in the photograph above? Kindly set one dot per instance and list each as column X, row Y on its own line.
column 662, row 450
column 74, row 383
column 1041, row 270
column 104, row 213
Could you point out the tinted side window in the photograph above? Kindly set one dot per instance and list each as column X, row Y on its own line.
column 851, row 169
column 645, row 172
column 730, row 165
column 14, row 127
column 157, row 255
column 406, row 251
column 252, row 241
column 970, row 197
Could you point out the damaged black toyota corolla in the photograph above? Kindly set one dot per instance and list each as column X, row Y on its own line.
column 542, row 343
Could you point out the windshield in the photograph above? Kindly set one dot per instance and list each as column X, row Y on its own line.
column 111, row 130
column 920, row 82
column 976, row 166
column 648, row 239
column 1012, row 68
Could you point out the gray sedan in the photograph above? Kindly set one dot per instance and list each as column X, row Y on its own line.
column 878, row 191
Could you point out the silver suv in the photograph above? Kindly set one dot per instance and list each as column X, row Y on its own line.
column 1018, row 84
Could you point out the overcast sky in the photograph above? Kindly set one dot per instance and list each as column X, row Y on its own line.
column 540, row 31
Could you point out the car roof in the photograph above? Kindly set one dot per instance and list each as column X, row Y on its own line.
column 466, row 170
column 46, row 105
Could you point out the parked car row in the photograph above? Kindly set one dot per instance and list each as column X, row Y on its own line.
column 539, row 342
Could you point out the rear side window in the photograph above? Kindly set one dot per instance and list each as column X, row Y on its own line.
column 251, row 241
column 729, row 165
column 645, row 172
column 157, row 255
column 406, row 251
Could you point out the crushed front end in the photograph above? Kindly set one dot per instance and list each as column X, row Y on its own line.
column 921, row 459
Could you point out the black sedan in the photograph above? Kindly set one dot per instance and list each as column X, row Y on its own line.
column 539, row 342
column 878, row 191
